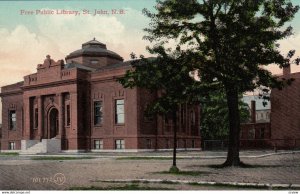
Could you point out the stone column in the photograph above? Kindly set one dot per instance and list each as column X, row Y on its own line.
column 26, row 101
column 73, row 133
column 40, row 116
column 60, row 115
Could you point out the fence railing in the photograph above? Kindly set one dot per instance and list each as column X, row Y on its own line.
column 253, row 144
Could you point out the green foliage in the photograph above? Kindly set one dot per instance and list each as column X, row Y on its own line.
column 9, row 154
column 225, row 43
column 174, row 170
column 227, row 40
column 144, row 158
column 214, row 116
column 168, row 73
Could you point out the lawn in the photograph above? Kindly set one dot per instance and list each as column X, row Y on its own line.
column 60, row 158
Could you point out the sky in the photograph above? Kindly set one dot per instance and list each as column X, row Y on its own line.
column 26, row 39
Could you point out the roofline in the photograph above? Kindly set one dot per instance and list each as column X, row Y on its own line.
column 71, row 56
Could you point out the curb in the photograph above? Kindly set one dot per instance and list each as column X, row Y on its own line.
column 258, row 185
column 178, row 157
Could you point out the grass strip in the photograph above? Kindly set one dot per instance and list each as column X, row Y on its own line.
column 146, row 158
column 9, row 154
column 125, row 187
column 184, row 173
column 59, row 158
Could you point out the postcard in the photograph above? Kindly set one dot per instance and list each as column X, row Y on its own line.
column 149, row 95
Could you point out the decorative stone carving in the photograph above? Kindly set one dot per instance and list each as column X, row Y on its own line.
column 48, row 62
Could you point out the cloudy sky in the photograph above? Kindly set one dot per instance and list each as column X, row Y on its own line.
column 27, row 38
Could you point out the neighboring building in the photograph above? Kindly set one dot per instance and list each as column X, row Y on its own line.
column 262, row 113
column 81, row 104
column 0, row 135
column 256, row 133
column 285, row 113
column 276, row 125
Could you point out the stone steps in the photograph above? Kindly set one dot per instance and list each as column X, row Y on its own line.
column 45, row 146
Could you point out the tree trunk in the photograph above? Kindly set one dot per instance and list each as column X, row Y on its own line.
column 174, row 118
column 233, row 158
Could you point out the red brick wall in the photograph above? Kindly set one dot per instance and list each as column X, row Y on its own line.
column 12, row 102
column 285, row 114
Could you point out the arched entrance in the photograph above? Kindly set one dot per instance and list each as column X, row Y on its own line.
column 52, row 123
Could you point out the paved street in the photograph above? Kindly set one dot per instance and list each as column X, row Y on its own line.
column 21, row 172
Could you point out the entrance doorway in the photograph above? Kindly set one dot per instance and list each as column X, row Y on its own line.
column 52, row 123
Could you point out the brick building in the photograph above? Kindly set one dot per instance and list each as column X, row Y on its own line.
column 256, row 133
column 79, row 105
column 280, row 127
column 285, row 113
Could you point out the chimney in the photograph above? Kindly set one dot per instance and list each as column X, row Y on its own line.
column 287, row 70
column 253, row 111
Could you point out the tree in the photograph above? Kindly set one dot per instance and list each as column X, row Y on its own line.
column 227, row 42
column 214, row 116
column 166, row 74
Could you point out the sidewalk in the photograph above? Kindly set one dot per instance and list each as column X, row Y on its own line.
column 169, row 154
column 265, row 168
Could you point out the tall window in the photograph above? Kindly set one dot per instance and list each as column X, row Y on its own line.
column 167, row 144
column 193, row 144
column 11, row 145
column 68, row 117
column 251, row 133
column 193, row 118
column 12, row 120
column 149, row 144
column 262, row 133
column 120, row 114
column 98, row 113
column 98, row 144
column 120, row 144
column 182, row 107
column 36, row 118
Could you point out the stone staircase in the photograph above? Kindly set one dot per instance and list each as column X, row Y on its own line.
column 35, row 149
column 31, row 147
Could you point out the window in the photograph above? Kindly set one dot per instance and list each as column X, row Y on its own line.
column 12, row 120
column 11, row 145
column 166, row 119
column 119, row 111
column 68, row 116
column 193, row 118
column 94, row 61
column 149, row 144
column 98, row 113
column 36, row 118
column 251, row 133
column 193, row 144
column 147, row 116
column 167, row 143
column 183, row 114
column 98, row 144
column 262, row 133
column 120, row 144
